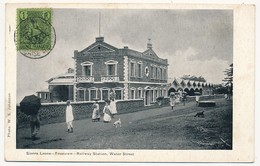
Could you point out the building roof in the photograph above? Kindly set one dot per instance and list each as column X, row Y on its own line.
column 101, row 46
column 62, row 81
column 43, row 90
column 62, row 76
column 178, row 81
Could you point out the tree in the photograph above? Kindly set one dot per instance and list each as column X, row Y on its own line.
column 193, row 78
column 228, row 80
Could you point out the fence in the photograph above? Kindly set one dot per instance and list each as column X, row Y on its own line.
column 55, row 112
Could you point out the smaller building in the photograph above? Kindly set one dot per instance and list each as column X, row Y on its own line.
column 60, row 88
column 44, row 95
column 191, row 87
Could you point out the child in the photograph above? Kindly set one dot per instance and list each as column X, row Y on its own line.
column 69, row 117
column 96, row 113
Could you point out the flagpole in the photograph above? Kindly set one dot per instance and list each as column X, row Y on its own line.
column 99, row 24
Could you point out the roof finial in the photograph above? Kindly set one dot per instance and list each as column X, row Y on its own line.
column 99, row 25
column 149, row 44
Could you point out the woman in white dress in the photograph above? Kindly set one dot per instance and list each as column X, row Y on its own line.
column 96, row 113
column 107, row 112
column 113, row 108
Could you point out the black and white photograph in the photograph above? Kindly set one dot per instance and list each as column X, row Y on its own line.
column 118, row 79
column 108, row 82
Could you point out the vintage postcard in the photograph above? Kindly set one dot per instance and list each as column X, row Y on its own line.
column 129, row 83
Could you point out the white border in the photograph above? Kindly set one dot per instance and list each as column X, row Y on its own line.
column 221, row 1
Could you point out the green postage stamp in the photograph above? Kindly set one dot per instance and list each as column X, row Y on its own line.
column 35, row 36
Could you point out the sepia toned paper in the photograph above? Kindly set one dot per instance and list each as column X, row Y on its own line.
column 17, row 67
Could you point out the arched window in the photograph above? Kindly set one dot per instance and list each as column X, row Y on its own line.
column 119, row 93
column 132, row 68
column 104, row 93
column 81, row 94
column 132, row 93
column 92, row 93
column 111, row 66
column 139, row 93
column 139, row 69
column 87, row 68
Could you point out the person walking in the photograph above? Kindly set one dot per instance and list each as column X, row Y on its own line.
column 69, row 117
column 172, row 99
column 113, row 108
column 184, row 98
column 226, row 96
column 96, row 112
column 107, row 112
column 35, row 124
column 197, row 99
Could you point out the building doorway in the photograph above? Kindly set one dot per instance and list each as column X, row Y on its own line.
column 147, row 97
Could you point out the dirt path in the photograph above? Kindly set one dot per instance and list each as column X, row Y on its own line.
column 154, row 128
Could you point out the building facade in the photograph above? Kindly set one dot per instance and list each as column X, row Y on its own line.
column 102, row 68
column 191, row 87
column 60, row 88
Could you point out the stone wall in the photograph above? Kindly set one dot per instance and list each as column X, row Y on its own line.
column 55, row 112
column 205, row 97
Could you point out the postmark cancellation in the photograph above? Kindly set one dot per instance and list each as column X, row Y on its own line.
column 35, row 36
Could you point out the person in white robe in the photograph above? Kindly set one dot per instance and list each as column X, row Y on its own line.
column 113, row 107
column 107, row 112
column 69, row 116
column 96, row 113
column 172, row 99
column 197, row 99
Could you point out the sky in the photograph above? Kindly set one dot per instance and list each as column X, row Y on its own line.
column 195, row 42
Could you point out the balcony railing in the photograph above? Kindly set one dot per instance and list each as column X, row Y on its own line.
column 109, row 79
column 85, row 79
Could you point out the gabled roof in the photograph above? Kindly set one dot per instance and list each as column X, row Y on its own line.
column 179, row 80
column 189, row 83
column 183, row 83
column 150, row 52
column 176, row 82
column 99, row 46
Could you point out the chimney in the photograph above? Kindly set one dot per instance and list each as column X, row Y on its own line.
column 149, row 44
column 125, row 47
column 70, row 70
column 99, row 39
